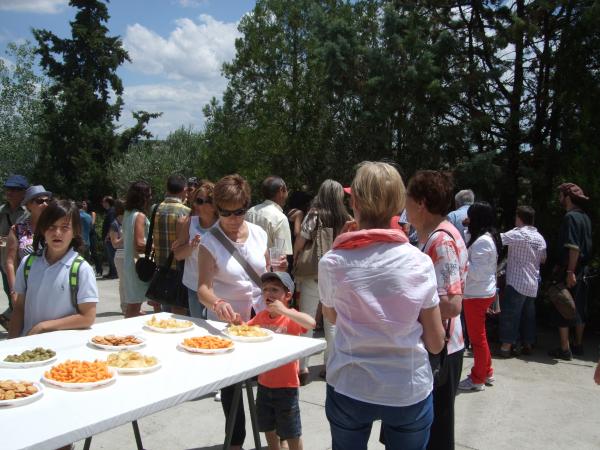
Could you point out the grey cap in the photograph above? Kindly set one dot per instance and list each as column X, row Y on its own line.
column 284, row 277
column 33, row 192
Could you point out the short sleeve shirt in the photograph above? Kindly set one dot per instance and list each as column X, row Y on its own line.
column 86, row 226
column 47, row 291
column 270, row 217
column 165, row 228
column 285, row 376
column 450, row 260
column 575, row 233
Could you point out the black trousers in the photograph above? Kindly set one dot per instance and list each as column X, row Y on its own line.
column 239, row 429
column 442, row 430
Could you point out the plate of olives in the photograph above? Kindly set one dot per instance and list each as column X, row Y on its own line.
column 29, row 358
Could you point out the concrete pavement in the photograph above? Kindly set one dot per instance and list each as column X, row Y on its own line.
column 536, row 403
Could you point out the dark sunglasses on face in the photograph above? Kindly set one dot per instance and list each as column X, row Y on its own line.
column 237, row 212
column 201, row 201
column 39, row 201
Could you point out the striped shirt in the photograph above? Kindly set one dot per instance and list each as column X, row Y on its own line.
column 526, row 251
column 165, row 228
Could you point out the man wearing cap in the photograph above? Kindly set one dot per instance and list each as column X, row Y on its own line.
column 11, row 212
column 574, row 252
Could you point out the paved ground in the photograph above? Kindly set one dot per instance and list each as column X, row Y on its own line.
column 537, row 403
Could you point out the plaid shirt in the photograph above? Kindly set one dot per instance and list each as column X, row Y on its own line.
column 526, row 251
column 165, row 228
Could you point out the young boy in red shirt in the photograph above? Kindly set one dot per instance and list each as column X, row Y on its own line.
column 277, row 398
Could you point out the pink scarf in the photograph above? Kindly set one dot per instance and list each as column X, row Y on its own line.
column 362, row 238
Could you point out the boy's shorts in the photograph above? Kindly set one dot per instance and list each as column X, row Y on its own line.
column 277, row 410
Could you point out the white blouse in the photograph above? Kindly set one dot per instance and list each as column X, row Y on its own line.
column 378, row 292
column 481, row 277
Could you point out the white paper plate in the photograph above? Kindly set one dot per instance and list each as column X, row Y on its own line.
column 207, row 351
column 169, row 330
column 137, row 370
column 25, row 365
column 25, row 400
column 268, row 337
column 118, row 347
column 78, row 386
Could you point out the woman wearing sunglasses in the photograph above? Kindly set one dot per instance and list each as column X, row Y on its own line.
column 20, row 237
column 190, row 231
column 224, row 287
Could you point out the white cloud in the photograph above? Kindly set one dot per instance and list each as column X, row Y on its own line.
column 192, row 3
column 180, row 103
column 192, row 51
column 33, row 6
column 189, row 60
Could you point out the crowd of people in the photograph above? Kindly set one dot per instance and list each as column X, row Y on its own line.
column 402, row 285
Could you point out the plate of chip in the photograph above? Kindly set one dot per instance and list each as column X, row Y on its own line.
column 80, row 374
column 248, row 333
column 207, row 344
column 127, row 362
column 113, row 342
column 19, row 392
column 169, row 325
column 28, row 358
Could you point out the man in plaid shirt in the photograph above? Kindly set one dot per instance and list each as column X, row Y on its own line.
column 168, row 213
column 526, row 252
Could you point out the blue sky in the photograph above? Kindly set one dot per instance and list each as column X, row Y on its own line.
column 176, row 48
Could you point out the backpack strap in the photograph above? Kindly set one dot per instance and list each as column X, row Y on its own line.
column 28, row 263
column 74, row 280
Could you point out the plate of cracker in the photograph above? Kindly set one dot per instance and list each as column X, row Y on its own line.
column 113, row 342
column 17, row 393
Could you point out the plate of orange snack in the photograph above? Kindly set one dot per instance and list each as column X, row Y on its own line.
column 207, row 344
column 74, row 374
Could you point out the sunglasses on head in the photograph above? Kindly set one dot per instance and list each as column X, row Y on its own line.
column 40, row 201
column 201, row 201
column 236, row 212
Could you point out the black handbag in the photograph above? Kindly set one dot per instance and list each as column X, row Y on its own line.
column 145, row 266
column 437, row 361
column 167, row 286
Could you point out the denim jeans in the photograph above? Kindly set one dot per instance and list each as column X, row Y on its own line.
column 110, row 256
column 517, row 317
column 404, row 427
column 197, row 309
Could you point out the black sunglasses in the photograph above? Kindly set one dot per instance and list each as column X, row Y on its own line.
column 237, row 212
column 201, row 201
column 40, row 201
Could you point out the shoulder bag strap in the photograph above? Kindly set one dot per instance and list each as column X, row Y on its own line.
column 74, row 280
column 150, row 232
column 216, row 232
column 431, row 235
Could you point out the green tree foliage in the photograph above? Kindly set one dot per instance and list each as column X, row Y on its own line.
column 154, row 161
column 78, row 137
column 20, row 109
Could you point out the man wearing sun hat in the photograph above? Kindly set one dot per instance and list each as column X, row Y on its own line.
column 574, row 253
column 11, row 212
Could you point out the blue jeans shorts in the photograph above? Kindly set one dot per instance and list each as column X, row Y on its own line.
column 278, row 410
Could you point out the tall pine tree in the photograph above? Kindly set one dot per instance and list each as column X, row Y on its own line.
column 82, row 105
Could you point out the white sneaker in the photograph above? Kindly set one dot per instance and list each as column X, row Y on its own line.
column 218, row 396
column 468, row 385
column 489, row 381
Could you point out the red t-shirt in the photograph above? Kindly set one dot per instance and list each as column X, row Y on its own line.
column 284, row 376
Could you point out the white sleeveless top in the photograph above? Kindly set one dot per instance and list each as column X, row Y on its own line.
column 231, row 282
column 190, row 269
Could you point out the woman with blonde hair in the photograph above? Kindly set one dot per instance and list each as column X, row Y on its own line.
column 380, row 292
column 190, row 230
column 327, row 211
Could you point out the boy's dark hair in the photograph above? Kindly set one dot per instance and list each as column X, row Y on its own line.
column 526, row 214
column 271, row 186
column 119, row 207
column 57, row 210
column 176, row 184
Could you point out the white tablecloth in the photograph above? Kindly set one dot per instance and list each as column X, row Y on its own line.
column 64, row 416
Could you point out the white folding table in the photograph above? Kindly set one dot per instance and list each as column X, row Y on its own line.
column 63, row 416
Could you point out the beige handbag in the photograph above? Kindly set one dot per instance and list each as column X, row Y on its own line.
column 307, row 264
